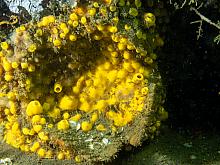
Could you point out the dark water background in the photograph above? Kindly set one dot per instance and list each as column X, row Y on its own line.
column 191, row 72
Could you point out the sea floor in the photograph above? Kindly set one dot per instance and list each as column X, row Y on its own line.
column 169, row 148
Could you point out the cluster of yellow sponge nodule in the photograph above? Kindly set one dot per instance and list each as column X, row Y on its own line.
column 95, row 83
column 117, row 85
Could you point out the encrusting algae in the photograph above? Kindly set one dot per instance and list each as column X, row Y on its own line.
column 81, row 85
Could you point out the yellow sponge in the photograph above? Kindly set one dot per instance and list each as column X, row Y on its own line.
column 68, row 103
column 34, row 108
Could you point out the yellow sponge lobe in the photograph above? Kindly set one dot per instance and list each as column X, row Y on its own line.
column 63, row 125
column 68, row 103
column 34, row 108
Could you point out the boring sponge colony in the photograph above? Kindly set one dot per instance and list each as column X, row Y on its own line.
column 81, row 85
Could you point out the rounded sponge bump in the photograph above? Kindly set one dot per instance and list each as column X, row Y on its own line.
column 34, row 108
